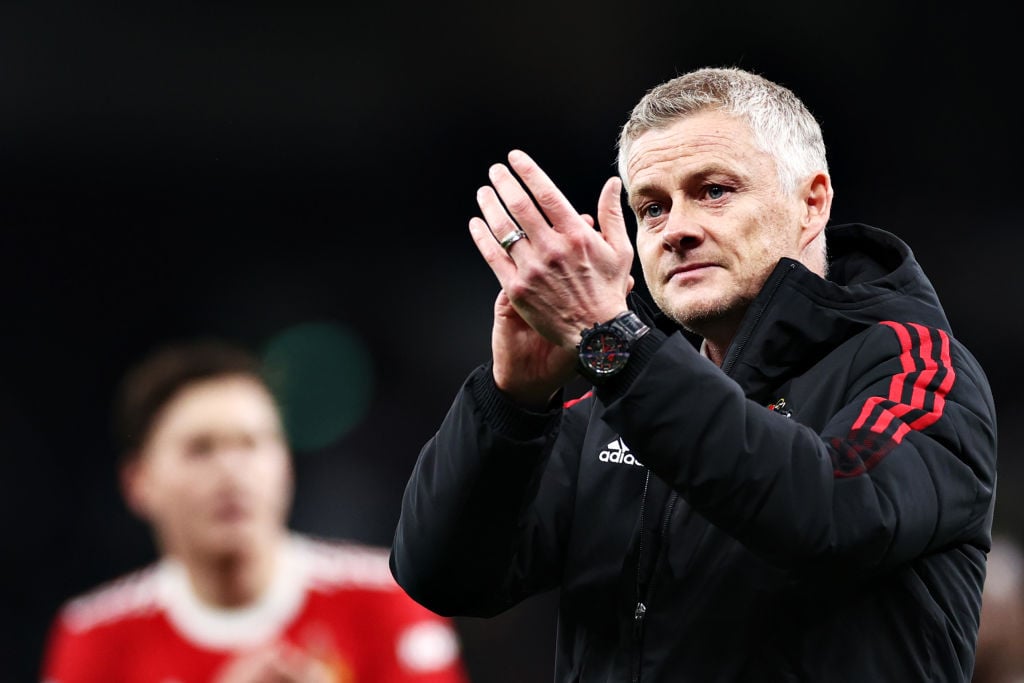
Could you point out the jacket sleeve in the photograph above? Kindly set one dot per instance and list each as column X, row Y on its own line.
column 905, row 466
column 486, row 510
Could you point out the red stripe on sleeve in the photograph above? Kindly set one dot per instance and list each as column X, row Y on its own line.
column 906, row 360
column 939, row 401
column 865, row 413
column 930, row 366
column 923, row 383
column 925, row 380
column 573, row 401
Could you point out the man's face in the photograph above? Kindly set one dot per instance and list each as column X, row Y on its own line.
column 712, row 219
column 214, row 477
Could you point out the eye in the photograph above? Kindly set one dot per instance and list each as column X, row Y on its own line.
column 715, row 191
column 652, row 211
column 200, row 446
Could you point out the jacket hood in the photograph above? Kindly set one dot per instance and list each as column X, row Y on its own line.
column 798, row 317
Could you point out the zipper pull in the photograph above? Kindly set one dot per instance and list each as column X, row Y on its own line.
column 638, row 618
column 781, row 408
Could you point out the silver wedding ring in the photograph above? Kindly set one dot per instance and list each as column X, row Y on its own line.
column 508, row 240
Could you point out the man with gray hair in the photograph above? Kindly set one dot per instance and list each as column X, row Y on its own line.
column 785, row 472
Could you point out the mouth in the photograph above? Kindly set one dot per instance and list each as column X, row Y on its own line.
column 231, row 511
column 689, row 270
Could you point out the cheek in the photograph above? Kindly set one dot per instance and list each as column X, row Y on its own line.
column 764, row 242
column 175, row 494
column 187, row 481
column 647, row 251
column 777, row 235
column 274, row 478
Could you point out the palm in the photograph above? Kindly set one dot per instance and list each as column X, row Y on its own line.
column 541, row 367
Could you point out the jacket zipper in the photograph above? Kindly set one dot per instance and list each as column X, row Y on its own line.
column 742, row 342
column 640, row 611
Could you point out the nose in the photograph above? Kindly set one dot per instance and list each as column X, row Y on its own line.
column 681, row 231
column 232, row 458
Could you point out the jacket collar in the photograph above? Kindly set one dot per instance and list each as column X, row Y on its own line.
column 799, row 317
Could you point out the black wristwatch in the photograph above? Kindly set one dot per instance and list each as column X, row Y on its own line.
column 604, row 348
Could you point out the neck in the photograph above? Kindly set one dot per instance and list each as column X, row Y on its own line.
column 234, row 579
column 714, row 351
column 718, row 335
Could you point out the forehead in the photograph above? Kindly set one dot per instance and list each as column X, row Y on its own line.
column 223, row 403
column 707, row 138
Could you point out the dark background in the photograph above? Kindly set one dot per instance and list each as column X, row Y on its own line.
column 178, row 169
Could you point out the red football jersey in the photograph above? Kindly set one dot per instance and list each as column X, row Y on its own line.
column 335, row 601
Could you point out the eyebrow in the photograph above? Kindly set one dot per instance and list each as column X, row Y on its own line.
column 700, row 174
column 638, row 191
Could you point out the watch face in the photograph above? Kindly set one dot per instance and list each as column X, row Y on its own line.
column 603, row 352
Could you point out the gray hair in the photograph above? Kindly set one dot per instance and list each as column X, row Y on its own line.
column 780, row 122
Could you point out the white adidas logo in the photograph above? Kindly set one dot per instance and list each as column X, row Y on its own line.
column 618, row 451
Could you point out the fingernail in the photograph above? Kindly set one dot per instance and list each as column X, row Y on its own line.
column 516, row 156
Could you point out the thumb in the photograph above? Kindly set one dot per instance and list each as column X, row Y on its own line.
column 609, row 215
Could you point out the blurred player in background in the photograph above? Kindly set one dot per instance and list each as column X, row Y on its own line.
column 1000, row 656
column 236, row 596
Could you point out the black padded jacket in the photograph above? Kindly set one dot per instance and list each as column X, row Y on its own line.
column 817, row 509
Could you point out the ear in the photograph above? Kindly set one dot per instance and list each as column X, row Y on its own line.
column 817, row 206
column 132, row 476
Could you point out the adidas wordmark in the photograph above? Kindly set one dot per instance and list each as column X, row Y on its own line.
column 617, row 451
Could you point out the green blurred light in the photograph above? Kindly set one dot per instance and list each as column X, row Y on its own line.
column 322, row 375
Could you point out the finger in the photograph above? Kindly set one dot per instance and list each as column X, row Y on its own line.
column 609, row 215
column 286, row 667
column 500, row 223
column 518, row 201
column 270, row 666
column 294, row 666
column 501, row 263
column 281, row 671
column 549, row 198
column 588, row 219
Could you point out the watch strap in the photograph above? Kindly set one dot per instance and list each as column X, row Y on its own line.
column 629, row 325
